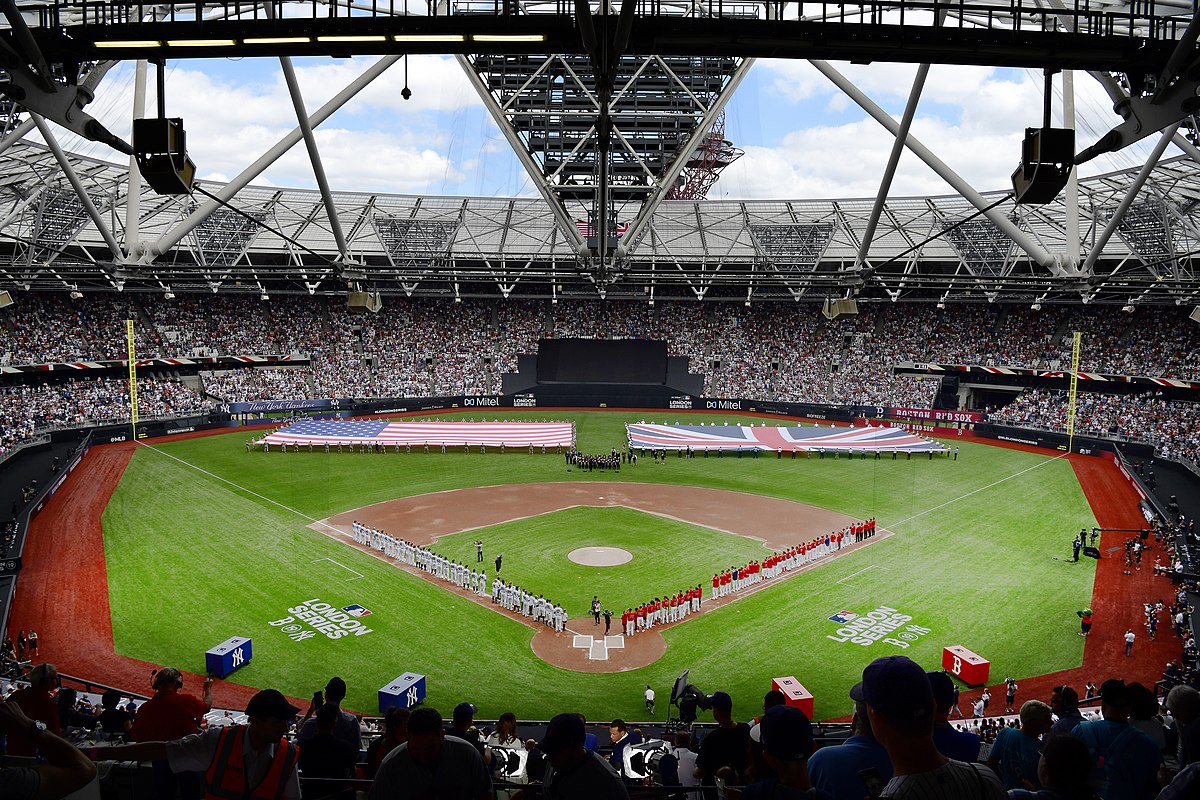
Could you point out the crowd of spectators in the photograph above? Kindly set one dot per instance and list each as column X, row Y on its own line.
column 1139, row 744
column 25, row 409
column 785, row 352
column 1172, row 426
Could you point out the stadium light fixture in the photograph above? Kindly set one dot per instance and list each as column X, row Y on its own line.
column 133, row 43
column 279, row 40
column 76, row 295
column 1036, row 307
column 509, row 37
column 429, row 37
column 351, row 38
column 1128, row 308
column 201, row 42
column 168, row 295
column 264, row 296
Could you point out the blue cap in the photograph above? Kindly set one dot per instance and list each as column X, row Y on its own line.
column 786, row 733
column 721, row 701
column 897, row 687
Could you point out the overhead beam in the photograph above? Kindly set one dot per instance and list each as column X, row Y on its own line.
column 1032, row 44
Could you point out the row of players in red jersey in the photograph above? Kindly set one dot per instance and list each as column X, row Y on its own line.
column 660, row 611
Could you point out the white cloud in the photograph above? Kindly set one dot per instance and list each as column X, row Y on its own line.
column 803, row 137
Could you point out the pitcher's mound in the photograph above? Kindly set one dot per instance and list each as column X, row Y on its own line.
column 600, row 556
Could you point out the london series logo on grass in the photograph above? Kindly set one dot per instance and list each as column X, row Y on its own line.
column 883, row 624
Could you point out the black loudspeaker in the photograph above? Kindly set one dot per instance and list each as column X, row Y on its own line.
column 1047, row 157
column 160, row 146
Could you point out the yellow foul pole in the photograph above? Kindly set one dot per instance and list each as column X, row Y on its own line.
column 133, row 403
column 1077, row 339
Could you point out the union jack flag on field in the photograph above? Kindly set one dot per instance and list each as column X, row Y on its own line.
column 435, row 434
column 746, row 437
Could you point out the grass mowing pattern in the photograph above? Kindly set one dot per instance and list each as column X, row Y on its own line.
column 192, row 561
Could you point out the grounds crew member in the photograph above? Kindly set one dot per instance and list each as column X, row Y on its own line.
column 239, row 762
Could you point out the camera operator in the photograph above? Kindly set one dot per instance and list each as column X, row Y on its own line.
column 678, row 765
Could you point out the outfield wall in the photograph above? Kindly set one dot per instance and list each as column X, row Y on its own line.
column 1051, row 440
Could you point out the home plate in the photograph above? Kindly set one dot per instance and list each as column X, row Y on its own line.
column 599, row 651
column 614, row 642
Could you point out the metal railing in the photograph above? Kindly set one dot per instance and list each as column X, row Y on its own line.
column 1083, row 18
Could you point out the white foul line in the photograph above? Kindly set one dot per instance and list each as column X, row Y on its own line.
column 976, row 491
column 241, row 488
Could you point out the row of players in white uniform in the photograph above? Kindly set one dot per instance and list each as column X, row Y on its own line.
column 507, row 595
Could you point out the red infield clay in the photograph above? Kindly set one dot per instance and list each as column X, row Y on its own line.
column 425, row 518
column 63, row 587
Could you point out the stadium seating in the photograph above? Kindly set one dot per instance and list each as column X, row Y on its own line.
column 443, row 348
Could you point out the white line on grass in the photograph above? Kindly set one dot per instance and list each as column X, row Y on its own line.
column 861, row 571
column 357, row 575
column 241, row 488
column 976, row 491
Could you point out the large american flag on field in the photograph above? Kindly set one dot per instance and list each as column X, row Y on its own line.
column 731, row 437
column 435, row 434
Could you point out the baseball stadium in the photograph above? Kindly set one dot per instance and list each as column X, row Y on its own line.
column 608, row 439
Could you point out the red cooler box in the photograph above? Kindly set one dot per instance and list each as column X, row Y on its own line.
column 795, row 693
column 971, row 668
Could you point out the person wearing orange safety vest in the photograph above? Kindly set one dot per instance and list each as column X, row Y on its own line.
column 239, row 762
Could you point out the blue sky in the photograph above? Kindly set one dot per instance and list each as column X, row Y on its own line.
column 802, row 137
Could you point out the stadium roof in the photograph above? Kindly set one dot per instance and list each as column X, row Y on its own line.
column 606, row 111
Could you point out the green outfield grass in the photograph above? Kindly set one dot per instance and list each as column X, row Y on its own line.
column 204, row 541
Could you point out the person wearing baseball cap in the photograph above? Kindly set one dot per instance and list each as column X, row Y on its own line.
column 724, row 752
column 786, row 737
column 462, row 725
column 900, row 705
column 252, row 760
column 573, row 772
